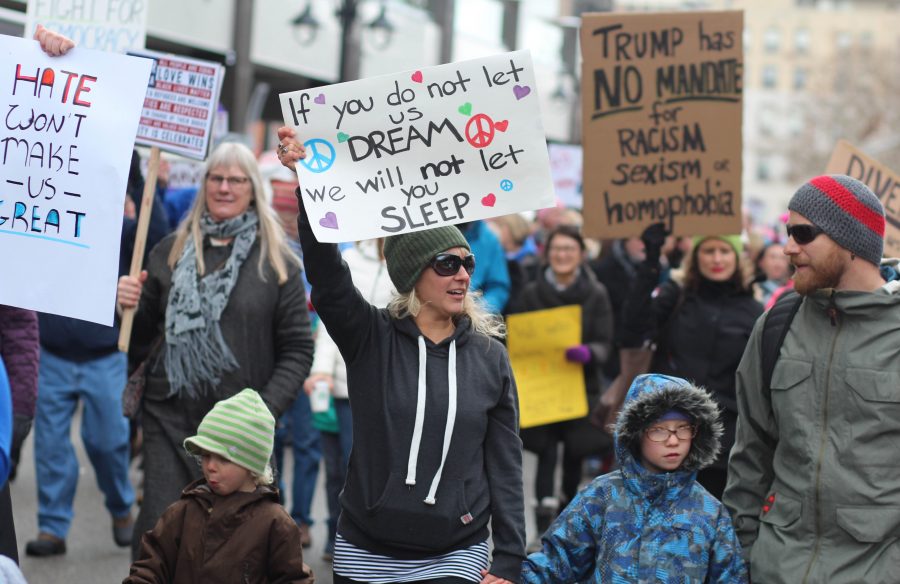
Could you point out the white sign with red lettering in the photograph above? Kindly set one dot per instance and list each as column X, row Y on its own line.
column 180, row 105
column 68, row 131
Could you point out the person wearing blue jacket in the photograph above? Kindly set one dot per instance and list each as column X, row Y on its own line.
column 650, row 520
column 5, row 424
column 492, row 276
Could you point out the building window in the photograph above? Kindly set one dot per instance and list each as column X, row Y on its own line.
column 801, row 76
column 844, row 40
column 763, row 170
column 801, row 41
column 769, row 77
column 772, row 39
column 866, row 40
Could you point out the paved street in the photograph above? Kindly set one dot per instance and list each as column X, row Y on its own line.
column 93, row 558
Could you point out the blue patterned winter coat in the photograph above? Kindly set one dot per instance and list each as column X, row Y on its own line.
column 632, row 526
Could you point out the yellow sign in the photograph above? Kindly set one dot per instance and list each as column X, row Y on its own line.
column 551, row 389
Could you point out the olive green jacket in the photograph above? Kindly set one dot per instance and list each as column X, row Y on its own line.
column 814, row 476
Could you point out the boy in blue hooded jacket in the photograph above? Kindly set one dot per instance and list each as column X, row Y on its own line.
column 648, row 521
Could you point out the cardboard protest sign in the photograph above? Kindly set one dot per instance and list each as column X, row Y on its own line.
column 884, row 182
column 565, row 168
column 180, row 108
column 68, row 132
column 550, row 388
column 415, row 150
column 662, row 101
column 117, row 26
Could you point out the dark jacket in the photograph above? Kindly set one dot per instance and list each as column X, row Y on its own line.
column 20, row 352
column 617, row 273
column 244, row 538
column 596, row 316
column 265, row 324
column 481, row 479
column 701, row 336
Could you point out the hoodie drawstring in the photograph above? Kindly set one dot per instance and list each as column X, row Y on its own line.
column 451, row 420
column 420, row 419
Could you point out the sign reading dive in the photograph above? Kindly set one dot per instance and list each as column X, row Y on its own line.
column 415, row 150
column 661, row 99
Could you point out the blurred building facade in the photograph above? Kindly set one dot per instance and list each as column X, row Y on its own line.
column 272, row 47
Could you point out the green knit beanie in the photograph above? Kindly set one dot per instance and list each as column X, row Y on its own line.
column 408, row 254
column 734, row 241
column 240, row 429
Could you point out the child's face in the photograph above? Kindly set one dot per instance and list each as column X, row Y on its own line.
column 225, row 477
column 665, row 456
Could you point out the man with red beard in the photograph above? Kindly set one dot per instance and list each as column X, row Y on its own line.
column 814, row 483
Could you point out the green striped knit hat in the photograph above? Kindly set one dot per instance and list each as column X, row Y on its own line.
column 240, row 429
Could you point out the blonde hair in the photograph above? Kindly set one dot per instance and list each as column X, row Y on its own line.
column 517, row 226
column 265, row 479
column 483, row 321
column 272, row 240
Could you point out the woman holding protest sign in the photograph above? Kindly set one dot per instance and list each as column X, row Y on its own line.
column 436, row 453
column 225, row 295
column 565, row 281
column 699, row 327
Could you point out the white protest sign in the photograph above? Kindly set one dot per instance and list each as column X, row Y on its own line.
column 565, row 166
column 116, row 26
column 415, row 150
column 65, row 151
column 180, row 108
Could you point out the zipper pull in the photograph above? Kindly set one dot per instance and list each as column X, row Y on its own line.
column 832, row 310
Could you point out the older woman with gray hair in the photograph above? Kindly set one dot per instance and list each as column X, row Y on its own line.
column 225, row 296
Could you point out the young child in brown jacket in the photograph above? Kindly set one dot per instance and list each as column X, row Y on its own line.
column 228, row 526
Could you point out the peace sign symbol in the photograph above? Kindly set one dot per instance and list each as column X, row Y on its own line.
column 480, row 131
column 320, row 155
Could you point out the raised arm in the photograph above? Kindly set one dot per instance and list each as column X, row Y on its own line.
column 337, row 301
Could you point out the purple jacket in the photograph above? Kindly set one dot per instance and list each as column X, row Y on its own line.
column 20, row 351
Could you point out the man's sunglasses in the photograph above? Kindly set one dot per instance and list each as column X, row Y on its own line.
column 803, row 233
column 448, row 264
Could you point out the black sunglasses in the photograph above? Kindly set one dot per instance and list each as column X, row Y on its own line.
column 803, row 233
column 448, row 264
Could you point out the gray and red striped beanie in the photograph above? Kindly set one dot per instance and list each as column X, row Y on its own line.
column 846, row 210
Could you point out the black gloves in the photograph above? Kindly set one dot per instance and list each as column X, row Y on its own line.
column 654, row 236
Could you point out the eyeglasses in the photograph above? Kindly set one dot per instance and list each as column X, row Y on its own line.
column 448, row 264
column 237, row 181
column 564, row 249
column 803, row 233
column 660, row 434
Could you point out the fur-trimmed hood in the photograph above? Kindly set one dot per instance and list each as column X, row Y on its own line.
column 651, row 396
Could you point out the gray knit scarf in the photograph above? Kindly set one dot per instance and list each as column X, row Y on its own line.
column 196, row 353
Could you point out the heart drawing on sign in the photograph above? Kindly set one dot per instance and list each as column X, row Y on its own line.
column 329, row 221
column 320, row 99
column 465, row 109
column 417, row 77
column 501, row 125
column 521, row 91
column 342, row 137
column 489, row 200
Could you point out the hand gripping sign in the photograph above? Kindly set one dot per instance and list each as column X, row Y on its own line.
column 419, row 149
